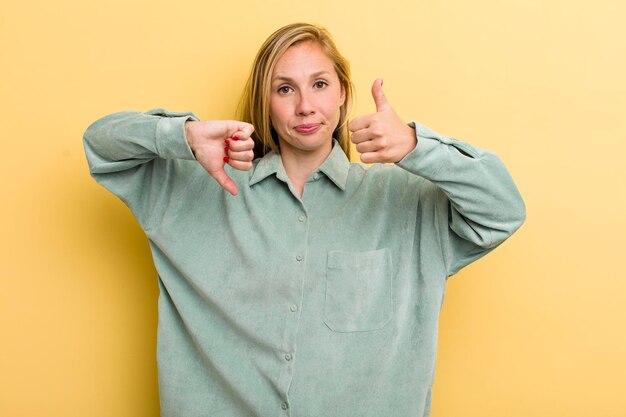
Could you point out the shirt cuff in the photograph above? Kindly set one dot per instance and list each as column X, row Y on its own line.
column 431, row 152
column 416, row 160
column 171, row 142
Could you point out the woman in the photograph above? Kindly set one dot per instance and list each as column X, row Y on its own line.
column 316, row 290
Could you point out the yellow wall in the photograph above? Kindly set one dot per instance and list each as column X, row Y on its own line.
column 535, row 329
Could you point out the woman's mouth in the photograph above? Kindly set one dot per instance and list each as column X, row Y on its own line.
column 307, row 128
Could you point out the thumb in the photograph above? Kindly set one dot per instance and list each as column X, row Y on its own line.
column 379, row 96
column 224, row 181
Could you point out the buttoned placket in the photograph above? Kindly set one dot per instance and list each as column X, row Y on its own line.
column 300, row 227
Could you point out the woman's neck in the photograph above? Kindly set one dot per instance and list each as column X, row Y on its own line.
column 300, row 164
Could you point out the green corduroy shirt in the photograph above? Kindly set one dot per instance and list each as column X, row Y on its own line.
column 325, row 305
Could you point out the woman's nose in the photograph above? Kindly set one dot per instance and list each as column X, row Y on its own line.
column 305, row 106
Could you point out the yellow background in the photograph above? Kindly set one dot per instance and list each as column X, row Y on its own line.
column 535, row 329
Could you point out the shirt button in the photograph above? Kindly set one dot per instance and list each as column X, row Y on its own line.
column 301, row 218
column 284, row 406
column 288, row 357
column 316, row 176
column 294, row 308
column 299, row 258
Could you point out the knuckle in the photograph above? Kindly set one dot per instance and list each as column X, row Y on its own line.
column 362, row 147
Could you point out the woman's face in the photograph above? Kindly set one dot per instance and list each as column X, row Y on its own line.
column 305, row 99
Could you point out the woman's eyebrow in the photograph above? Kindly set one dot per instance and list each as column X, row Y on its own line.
column 314, row 75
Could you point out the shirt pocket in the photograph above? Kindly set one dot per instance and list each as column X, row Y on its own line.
column 358, row 290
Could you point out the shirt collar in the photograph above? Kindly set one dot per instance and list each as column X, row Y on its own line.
column 335, row 167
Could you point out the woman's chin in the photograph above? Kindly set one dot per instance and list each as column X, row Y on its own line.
column 308, row 143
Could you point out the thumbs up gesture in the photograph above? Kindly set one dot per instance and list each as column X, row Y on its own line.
column 219, row 142
column 382, row 136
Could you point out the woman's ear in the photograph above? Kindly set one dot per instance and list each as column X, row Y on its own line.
column 343, row 95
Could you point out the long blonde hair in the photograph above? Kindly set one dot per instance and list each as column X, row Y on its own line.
column 254, row 106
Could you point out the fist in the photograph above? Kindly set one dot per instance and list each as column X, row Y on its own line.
column 382, row 136
column 216, row 143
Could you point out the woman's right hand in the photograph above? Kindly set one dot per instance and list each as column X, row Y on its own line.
column 219, row 142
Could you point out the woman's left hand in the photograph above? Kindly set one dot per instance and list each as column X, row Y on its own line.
column 382, row 136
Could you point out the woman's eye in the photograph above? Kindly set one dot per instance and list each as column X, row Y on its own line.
column 320, row 84
column 284, row 90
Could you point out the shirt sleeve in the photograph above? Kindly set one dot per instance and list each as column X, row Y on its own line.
column 123, row 150
column 476, row 205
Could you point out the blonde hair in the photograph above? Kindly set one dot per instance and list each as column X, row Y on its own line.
column 254, row 106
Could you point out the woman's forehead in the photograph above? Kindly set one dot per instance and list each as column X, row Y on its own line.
column 303, row 60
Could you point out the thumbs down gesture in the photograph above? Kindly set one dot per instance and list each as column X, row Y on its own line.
column 382, row 136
